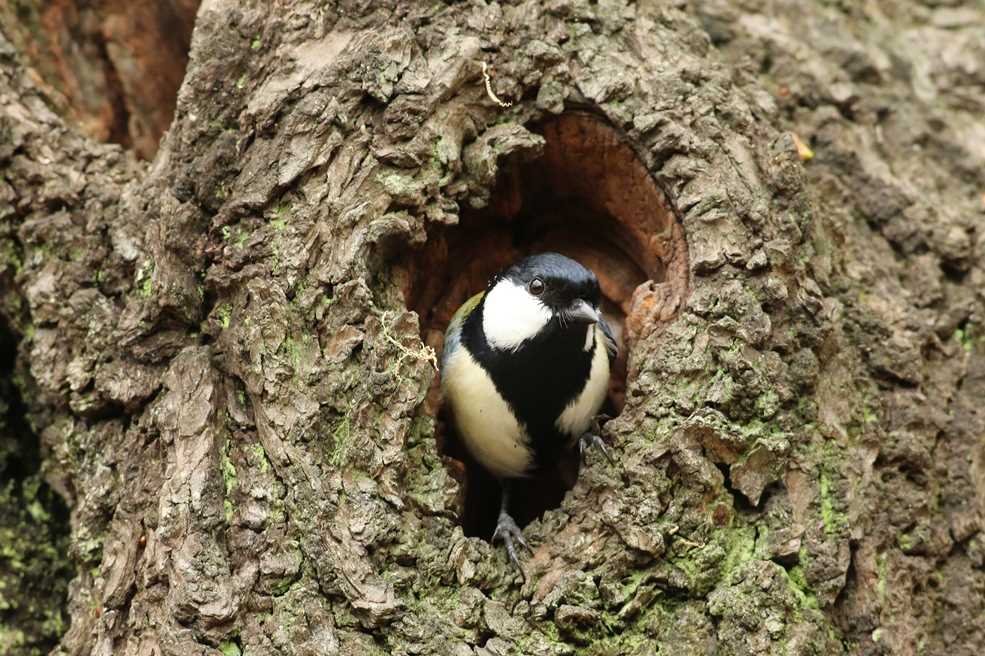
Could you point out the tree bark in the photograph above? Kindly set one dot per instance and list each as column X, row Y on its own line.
column 225, row 355
column 111, row 67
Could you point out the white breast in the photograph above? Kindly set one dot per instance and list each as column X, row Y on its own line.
column 578, row 415
column 483, row 418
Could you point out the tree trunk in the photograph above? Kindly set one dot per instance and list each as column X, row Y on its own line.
column 111, row 67
column 225, row 353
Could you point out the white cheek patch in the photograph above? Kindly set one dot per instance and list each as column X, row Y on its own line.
column 484, row 420
column 512, row 315
column 577, row 417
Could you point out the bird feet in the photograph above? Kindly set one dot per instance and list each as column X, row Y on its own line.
column 508, row 532
column 591, row 439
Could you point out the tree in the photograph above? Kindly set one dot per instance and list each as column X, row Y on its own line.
column 224, row 352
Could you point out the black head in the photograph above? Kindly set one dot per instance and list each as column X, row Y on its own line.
column 539, row 296
column 557, row 281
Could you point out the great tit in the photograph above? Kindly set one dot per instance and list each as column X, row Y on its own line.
column 525, row 370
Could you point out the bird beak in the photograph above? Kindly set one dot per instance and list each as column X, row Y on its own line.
column 580, row 312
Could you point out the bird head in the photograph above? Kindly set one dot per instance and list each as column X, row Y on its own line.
column 545, row 292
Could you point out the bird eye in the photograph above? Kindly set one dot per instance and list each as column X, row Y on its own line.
column 536, row 287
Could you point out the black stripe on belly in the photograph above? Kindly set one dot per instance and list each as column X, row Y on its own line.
column 539, row 379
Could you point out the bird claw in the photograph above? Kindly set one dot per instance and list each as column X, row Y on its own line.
column 590, row 439
column 507, row 531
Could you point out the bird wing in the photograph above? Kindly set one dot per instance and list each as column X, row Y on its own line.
column 453, row 334
column 610, row 341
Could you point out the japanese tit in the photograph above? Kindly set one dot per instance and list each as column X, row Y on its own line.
column 525, row 370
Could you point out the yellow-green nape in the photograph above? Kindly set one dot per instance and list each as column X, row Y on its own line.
column 466, row 309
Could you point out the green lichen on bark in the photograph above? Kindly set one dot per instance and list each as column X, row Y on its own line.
column 244, row 427
column 34, row 565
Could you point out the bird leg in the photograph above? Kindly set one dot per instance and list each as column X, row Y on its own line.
column 508, row 531
column 591, row 438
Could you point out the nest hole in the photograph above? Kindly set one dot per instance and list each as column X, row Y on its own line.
column 588, row 196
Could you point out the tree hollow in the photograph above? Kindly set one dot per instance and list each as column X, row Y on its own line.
column 590, row 197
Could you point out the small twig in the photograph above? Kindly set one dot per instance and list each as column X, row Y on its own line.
column 672, row 531
column 489, row 90
column 425, row 354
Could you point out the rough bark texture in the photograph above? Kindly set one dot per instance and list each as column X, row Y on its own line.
column 230, row 391
column 112, row 67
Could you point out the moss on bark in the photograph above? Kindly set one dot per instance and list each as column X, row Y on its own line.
column 35, row 568
column 234, row 393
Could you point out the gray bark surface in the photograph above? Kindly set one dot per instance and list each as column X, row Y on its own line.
column 219, row 355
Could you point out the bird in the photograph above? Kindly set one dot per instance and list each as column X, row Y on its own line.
column 525, row 371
